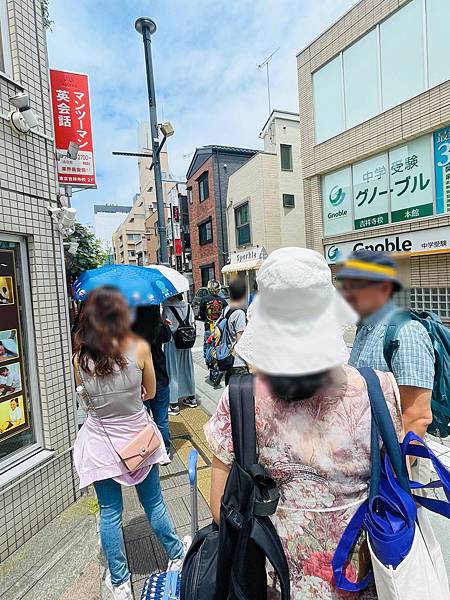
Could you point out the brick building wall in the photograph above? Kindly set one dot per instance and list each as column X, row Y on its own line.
column 198, row 213
column 32, row 494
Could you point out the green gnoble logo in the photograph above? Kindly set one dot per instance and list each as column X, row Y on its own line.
column 333, row 253
column 336, row 196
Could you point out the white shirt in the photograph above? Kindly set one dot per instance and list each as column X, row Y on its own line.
column 15, row 415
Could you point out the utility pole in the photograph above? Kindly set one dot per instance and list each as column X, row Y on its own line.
column 146, row 27
column 265, row 63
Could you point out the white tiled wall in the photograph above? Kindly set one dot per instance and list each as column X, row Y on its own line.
column 27, row 186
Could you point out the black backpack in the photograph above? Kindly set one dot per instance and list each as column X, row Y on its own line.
column 229, row 562
column 184, row 336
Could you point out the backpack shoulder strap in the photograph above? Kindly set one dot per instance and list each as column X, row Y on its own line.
column 382, row 424
column 176, row 314
column 242, row 413
column 391, row 342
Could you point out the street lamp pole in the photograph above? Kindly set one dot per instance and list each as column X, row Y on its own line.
column 146, row 27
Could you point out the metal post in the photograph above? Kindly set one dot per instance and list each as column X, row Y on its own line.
column 147, row 27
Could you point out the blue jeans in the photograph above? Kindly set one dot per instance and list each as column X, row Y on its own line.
column 159, row 408
column 109, row 494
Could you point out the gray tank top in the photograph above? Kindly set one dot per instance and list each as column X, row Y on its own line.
column 118, row 394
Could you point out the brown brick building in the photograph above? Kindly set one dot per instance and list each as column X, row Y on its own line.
column 207, row 186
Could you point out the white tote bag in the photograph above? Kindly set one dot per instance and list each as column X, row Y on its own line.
column 421, row 575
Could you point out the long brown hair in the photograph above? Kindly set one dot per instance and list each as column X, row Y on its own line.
column 104, row 325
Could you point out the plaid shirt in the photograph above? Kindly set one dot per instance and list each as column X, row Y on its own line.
column 412, row 363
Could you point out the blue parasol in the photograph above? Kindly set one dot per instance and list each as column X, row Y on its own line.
column 139, row 285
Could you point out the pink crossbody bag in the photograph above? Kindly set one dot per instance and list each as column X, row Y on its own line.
column 141, row 447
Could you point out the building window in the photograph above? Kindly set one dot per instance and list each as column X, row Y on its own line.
column 288, row 200
column 286, row 157
column 19, row 426
column 364, row 80
column 131, row 253
column 132, row 237
column 208, row 272
column 205, row 235
column 203, row 187
column 242, row 220
column 5, row 49
column 189, row 195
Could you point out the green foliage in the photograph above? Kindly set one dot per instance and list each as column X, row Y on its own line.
column 46, row 15
column 89, row 254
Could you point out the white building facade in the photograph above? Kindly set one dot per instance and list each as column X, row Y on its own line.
column 265, row 208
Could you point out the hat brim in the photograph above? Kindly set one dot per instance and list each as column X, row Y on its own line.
column 348, row 273
column 299, row 346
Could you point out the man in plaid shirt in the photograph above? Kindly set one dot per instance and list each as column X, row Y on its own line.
column 368, row 281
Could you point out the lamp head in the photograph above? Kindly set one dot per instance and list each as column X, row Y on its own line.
column 145, row 23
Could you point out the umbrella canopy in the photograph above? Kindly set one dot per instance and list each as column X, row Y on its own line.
column 139, row 285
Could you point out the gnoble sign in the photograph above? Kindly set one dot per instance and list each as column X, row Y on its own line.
column 412, row 242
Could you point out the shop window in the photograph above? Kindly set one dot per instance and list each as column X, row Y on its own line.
column 288, row 200
column 205, row 235
column 208, row 272
column 286, row 157
column 242, row 220
column 18, row 427
column 203, row 187
column 5, row 49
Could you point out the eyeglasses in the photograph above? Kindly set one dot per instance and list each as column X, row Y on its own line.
column 349, row 286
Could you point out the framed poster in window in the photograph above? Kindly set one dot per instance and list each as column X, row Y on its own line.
column 14, row 414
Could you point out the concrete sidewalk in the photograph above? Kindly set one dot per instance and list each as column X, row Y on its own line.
column 63, row 561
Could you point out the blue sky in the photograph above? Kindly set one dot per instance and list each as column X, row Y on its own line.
column 205, row 55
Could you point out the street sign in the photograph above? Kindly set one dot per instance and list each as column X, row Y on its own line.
column 178, row 247
column 72, row 125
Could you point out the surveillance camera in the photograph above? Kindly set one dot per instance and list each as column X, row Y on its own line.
column 20, row 100
column 72, row 151
column 68, row 216
column 23, row 118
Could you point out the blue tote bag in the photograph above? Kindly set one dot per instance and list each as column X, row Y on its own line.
column 406, row 558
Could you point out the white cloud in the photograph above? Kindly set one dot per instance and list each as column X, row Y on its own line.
column 205, row 58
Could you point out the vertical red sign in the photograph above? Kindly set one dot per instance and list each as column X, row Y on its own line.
column 178, row 248
column 72, row 123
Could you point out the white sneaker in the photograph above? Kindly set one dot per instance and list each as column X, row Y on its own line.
column 177, row 563
column 119, row 592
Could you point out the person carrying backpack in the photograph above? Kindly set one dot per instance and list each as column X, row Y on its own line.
column 211, row 308
column 313, row 423
column 178, row 314
column 234, row 323
column 369, row 281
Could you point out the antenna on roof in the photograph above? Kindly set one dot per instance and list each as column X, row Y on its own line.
column 265, row 63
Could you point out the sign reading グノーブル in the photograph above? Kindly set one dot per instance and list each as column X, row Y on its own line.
column 387, row 188
column 413, row 242
column 72, row 123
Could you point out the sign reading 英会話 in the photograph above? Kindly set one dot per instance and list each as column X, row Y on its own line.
column 408, row 182
column 426, row 241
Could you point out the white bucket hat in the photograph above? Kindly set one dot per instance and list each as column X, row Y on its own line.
column 298, row 318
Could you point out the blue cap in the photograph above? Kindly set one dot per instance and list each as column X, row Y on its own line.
column 372, row 266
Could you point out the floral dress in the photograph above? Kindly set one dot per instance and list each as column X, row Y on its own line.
column 318, row 452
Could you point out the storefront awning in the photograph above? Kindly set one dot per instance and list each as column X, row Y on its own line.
column 245, row 265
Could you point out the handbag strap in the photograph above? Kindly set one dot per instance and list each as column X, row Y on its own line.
column 91, row 405
column 181, row 322
column 242, row 414
column 383, row 425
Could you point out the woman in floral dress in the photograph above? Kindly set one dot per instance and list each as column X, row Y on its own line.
column 312, row 419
